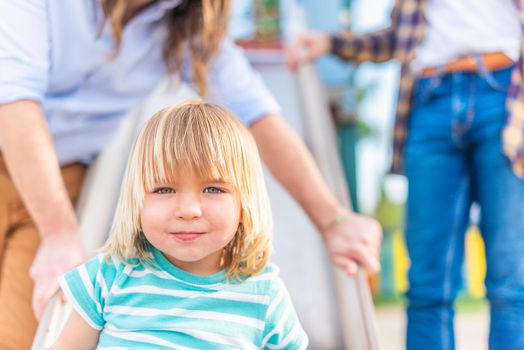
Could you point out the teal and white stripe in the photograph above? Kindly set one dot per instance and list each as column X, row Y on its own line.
column 163, row 307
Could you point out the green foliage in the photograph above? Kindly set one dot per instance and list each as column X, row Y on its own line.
column 389, row 214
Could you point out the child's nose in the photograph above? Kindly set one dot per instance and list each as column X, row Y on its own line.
column 188, row 207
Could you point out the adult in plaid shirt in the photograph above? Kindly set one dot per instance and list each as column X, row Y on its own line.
column 459, row 138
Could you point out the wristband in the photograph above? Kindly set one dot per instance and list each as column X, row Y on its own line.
column 338, row 219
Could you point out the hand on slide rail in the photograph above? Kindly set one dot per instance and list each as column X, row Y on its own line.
column 354, row 240
column 57, row 254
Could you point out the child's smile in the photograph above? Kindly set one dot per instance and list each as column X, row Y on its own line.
column 187, row 236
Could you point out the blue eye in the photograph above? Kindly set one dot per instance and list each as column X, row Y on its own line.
column 213, row 190
column 163, row 190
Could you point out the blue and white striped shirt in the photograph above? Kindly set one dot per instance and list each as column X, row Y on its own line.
column 163, row 307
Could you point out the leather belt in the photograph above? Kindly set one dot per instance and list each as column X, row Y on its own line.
column 491, row 61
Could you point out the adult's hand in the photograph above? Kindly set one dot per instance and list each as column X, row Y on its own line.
column 354, row 242
column 57, row 254
column 306, row 47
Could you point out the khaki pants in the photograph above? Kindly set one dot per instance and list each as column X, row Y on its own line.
column 19, row 240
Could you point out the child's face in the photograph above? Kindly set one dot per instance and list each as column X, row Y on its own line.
column 190, row 221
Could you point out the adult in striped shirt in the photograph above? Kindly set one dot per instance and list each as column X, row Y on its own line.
column 187, row 262
column 459, row 138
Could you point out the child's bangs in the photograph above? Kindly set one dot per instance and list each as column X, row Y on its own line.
column 181, row 145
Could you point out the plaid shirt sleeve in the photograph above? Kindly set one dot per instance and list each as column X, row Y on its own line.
column 377, row 46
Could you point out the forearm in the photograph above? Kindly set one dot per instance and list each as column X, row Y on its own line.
column 33, row 166
column 353, row 241
column 377, row 46
column 293, row 166
column 372, row 47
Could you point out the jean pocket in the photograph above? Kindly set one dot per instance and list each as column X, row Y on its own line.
column 426, row 89
column 498, row 80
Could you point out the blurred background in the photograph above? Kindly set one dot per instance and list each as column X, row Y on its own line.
column 361, row 101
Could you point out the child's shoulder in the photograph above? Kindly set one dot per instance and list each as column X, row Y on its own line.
column 109, row 263
column 267, row 281
column 274, row 281
column 268, row 274
column 107, row 260
column 271, row 271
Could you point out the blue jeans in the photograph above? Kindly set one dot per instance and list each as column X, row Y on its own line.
column 454, row 158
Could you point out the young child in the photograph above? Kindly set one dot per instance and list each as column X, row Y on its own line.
column 186, row 264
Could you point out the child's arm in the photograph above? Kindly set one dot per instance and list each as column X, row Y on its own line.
column 85, row 287
column 77, row 334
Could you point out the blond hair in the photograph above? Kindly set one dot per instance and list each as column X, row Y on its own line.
column 201, row 24
column 216, row 145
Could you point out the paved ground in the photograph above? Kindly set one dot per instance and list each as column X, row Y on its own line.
column 470, row 326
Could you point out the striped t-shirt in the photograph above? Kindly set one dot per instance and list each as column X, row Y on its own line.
column 164, row 307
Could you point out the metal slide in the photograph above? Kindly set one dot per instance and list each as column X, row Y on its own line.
column 336, row 311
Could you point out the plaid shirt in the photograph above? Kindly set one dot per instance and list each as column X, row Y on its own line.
column 399, row 41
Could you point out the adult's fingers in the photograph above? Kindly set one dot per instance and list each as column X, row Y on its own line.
column 367, row 260
column 43, row 291
column 298, row 52
column 62, row 297
column 364, row 256
column 347, row 265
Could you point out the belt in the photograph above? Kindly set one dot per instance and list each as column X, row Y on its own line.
column 491, row 61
